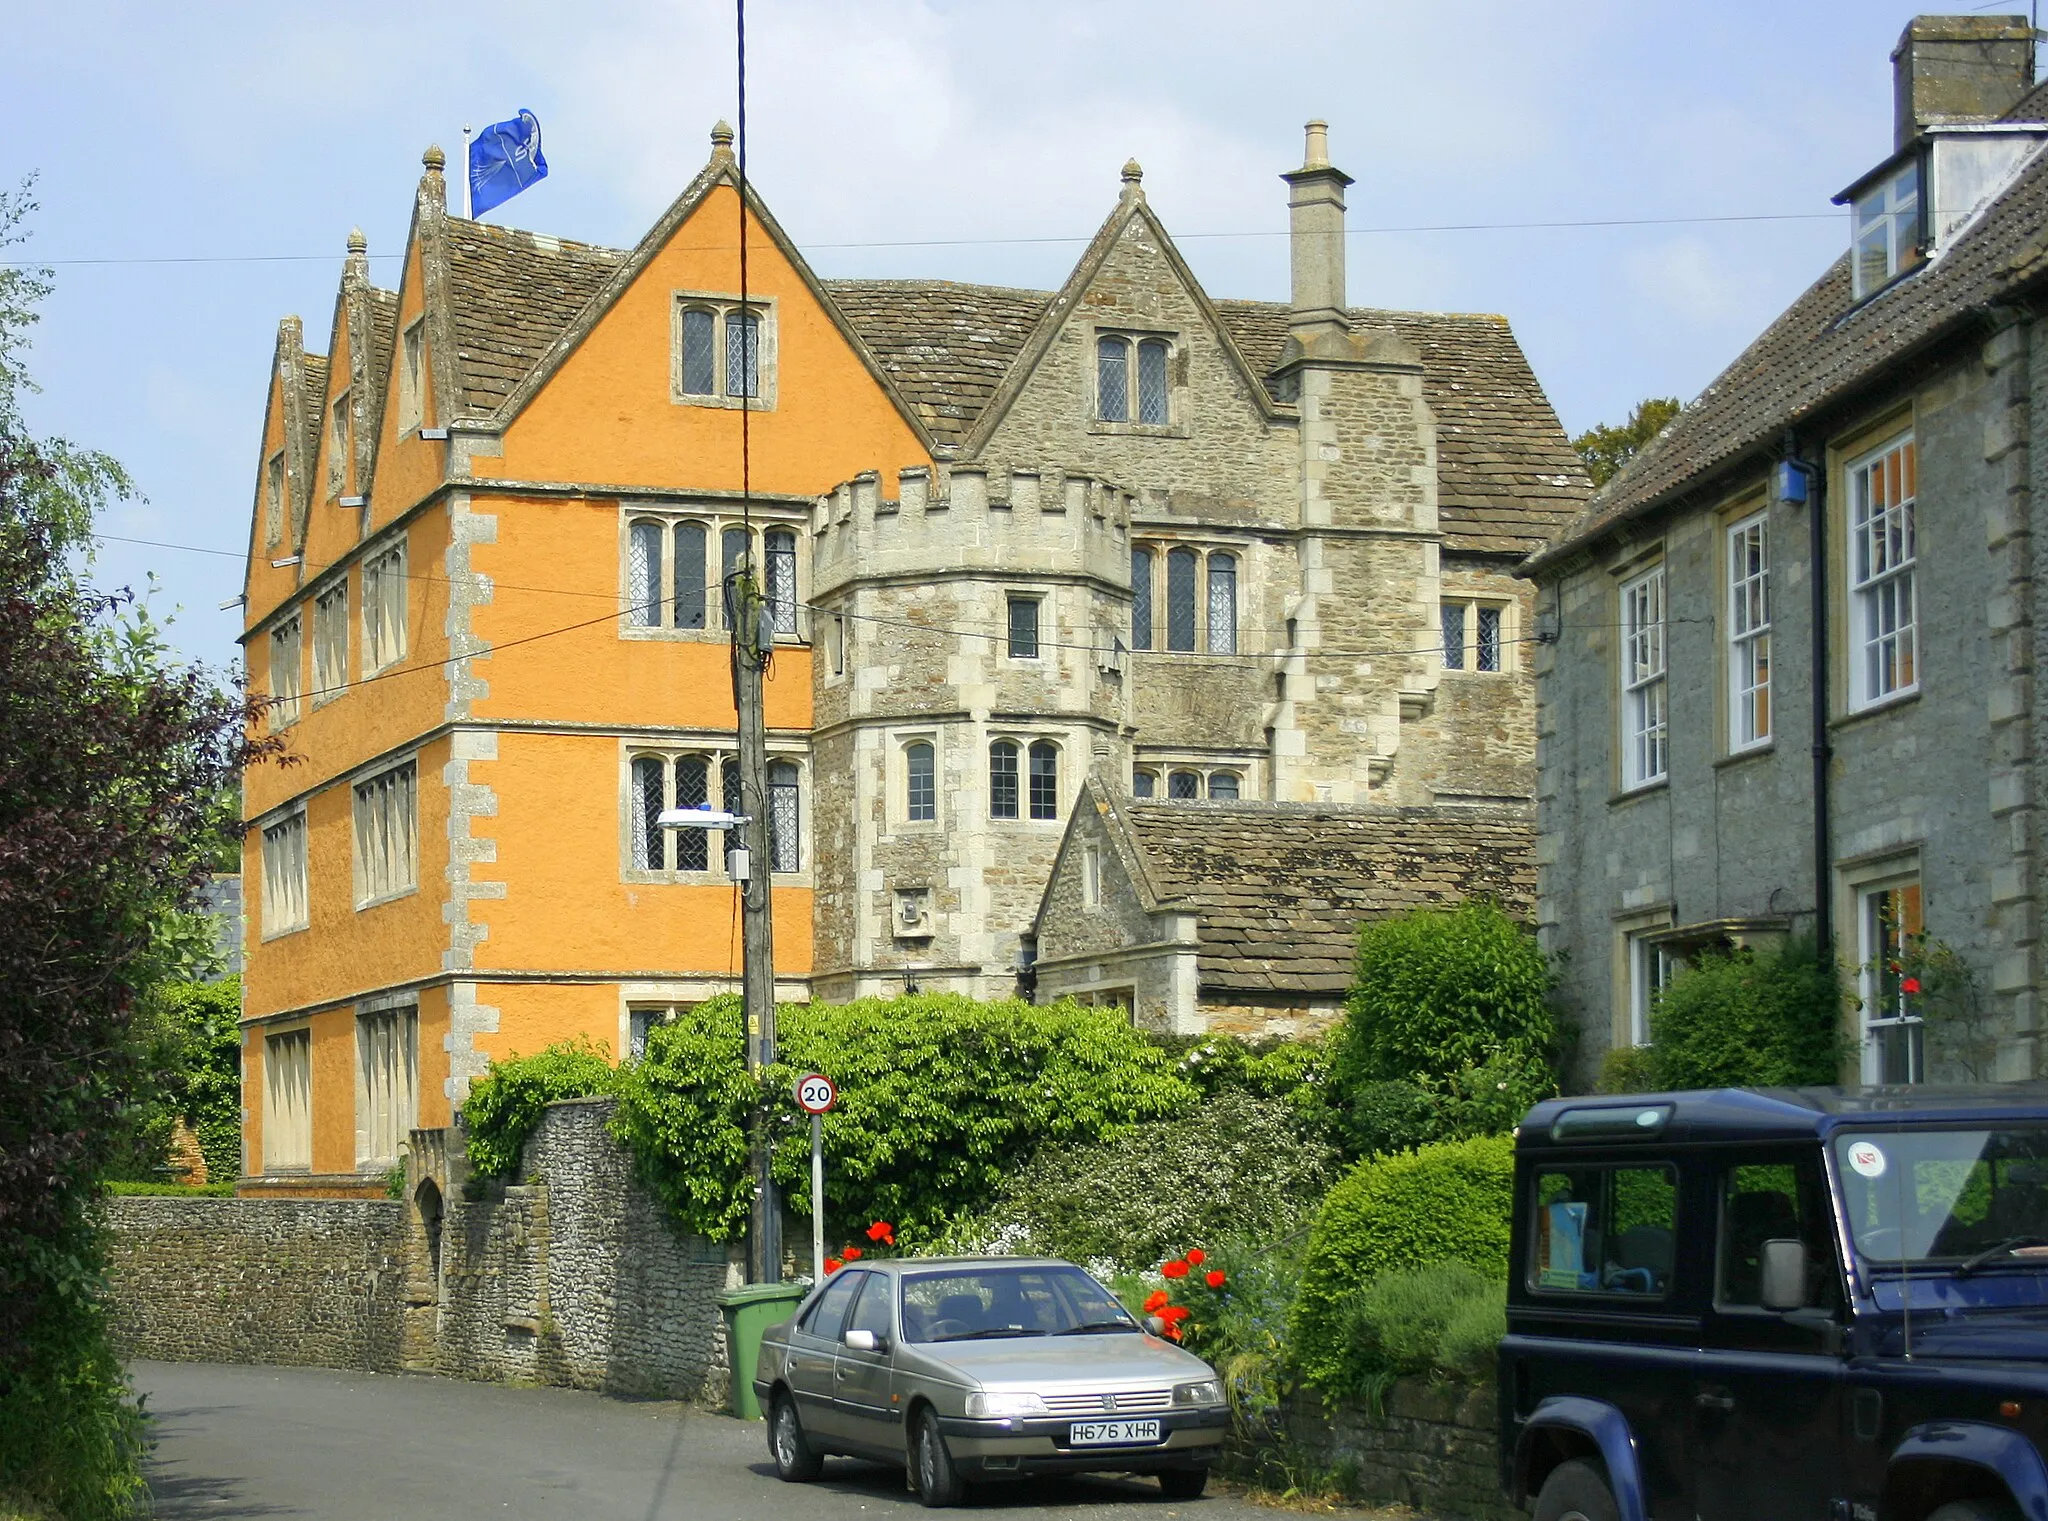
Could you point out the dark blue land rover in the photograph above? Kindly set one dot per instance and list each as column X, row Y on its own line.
column 1821, row 1304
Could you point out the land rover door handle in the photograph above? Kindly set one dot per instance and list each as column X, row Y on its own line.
column 1714, row 1399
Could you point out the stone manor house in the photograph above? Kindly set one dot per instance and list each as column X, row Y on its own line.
column 1252, row 561
column 1793, row 687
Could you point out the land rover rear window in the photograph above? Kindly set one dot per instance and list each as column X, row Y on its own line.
column 1604, row 1230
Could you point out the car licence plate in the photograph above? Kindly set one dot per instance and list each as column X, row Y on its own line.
column 1111, row 1433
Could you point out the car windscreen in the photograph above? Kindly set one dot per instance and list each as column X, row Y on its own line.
column 965, row 1304
column 1949, row 1196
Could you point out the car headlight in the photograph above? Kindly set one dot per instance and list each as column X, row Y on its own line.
column 993, row 1406
column 1207, row 1392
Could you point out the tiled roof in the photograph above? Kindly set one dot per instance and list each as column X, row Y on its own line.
column 383, row 335
column 1507, row 477
column 1279, row 889
column 946, row 346
column 513, row 294
column 1820, row 350
column 313, row 393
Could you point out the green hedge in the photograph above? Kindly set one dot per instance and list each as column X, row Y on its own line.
column 172, row 1190
column 1444, row 1320
column 1744, row 1018
column 1444, row 1203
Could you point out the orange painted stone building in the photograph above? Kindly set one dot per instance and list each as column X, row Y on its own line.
column 448, row 504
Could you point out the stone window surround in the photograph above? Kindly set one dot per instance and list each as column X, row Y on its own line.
column 1868, row 446
column 721, row 303
column 1751, row 512
column 1042, row 601
column 1636, row 933
column 897, row 780
column 402, row 1012
column 302, row 921
column 1176, row 425
column 1160, row 769
column 330, row 603
column 715, row 520
column 1856, row 880
column 1063, row 773
column 287, row 658
column 379, row 562
column 1628, row 577
column 719, row 748
column 1160, row 549
column 298, row 1037
column 357, row 783
column 1508, row 610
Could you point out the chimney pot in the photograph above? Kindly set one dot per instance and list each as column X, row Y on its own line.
column 1315, row 213
column 1958, row 69
column 1317, row 153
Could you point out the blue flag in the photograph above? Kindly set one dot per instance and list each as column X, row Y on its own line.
column 504, row 160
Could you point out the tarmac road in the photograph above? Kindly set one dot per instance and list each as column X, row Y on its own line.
column 241, row 1441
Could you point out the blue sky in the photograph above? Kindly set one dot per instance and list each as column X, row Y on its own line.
column 261, row 133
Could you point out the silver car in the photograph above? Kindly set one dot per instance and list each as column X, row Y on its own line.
column 979, row 1368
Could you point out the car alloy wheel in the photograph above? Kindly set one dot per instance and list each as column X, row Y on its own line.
column 795, row 1463
column 938, row 1481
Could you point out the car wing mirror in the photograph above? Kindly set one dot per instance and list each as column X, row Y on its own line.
column 866, row 1341
column 1155, row 1325
column 1784, row 1275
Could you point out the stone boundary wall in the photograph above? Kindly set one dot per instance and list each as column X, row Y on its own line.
column 571, row 1276
column 319, row 1282
column 1434, row 1449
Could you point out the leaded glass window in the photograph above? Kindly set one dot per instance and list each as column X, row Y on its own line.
column 742, row 353
column 1152, row 391
column 1183, row 786
column 1454, row 636
column 1112, row 380
column 784, row 840
column 1222, row 604
column 1142, row 783
column 689, row 575
column 693, row 779
column 700, row 343
column 1223, row 787
column 729, row 800
column 781, row 555
column 648, row 851
column 1141, row 599
column 1180, row 599
column 643, row 575
column 1002, row 780
column 732, row 551
column 1488, row 619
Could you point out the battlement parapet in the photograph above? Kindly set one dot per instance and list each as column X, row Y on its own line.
column 955, row 517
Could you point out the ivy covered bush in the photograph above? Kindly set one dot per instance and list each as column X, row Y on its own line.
column 1240, row 1165
column 1444, row 1203
column 1747, row 1018
column 1447, row 1030
column 1444, row 1320
column 942, row 1098
column 505, row 1104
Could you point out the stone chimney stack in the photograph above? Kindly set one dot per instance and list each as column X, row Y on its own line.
column 1958, row 69
column 1315, row 211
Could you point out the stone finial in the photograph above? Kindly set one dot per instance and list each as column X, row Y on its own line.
column 434, row 160
column 1134, row 181
column 357, row 243
column 1316, row 154
column 721, row 139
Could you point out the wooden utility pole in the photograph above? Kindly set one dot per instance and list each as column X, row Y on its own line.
column 753, row 640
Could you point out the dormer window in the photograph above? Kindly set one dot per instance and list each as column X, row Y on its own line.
column 1132, row 383
column 1887, row 229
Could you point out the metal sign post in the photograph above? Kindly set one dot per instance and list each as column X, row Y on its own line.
column 816, row 1096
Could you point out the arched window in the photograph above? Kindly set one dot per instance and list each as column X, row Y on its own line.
column 921, row 777
column 1222, row 604
column 1045, row 780
column 643, row 575
column 781, row 554
column 1180, row 599
column 1184, row 786
column 1223, row 787
column 1002, row 779
column 700, row 344
column 1141, row 599
column 689, row 580
column 785, row 844
column 1143, row 783
column 742, row 353
column 693, row 786
column 646, row 804
column 732, row 549
column 1152, row 391
column 1112, row 380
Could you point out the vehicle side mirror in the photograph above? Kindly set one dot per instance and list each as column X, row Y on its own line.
column 866, row 1341
column 1784, row 1275
column 1155, row 1325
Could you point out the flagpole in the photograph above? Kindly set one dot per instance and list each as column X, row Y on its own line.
column 465, row 174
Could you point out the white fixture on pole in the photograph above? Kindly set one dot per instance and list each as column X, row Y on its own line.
column 466, row 129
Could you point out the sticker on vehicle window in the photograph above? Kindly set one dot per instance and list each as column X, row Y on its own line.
column 1867, row 1158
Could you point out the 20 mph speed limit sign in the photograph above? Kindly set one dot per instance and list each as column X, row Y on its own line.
column 815, row 1093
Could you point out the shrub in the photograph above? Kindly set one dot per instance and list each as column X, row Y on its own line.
column 1238, row 1164
column 941, row 1100
column 505, row 1104
column 171, row 1190
column 1444, row 1203
column 1295, row 1072
column 1451, row 1006
column 1740, row 1018
column 1628, row 1069
column 1444, row 1320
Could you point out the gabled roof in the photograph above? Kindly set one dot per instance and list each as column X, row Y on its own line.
column 514, row 295
column 1278, row 890
column 1822, row 349
column 947, row 346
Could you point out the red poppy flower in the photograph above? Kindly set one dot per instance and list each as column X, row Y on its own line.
column 1910, row 985
column 1172, row 1332
column 832, row 1265
column 851, row 1253
column 1155, row 1301
column 1196, row 1257
column 1174, row 1269
column 883, row 1232
column 1174, row 1314
column 1215, row 1278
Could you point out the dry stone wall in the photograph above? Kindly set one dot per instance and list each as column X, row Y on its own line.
column 1434, row 1448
